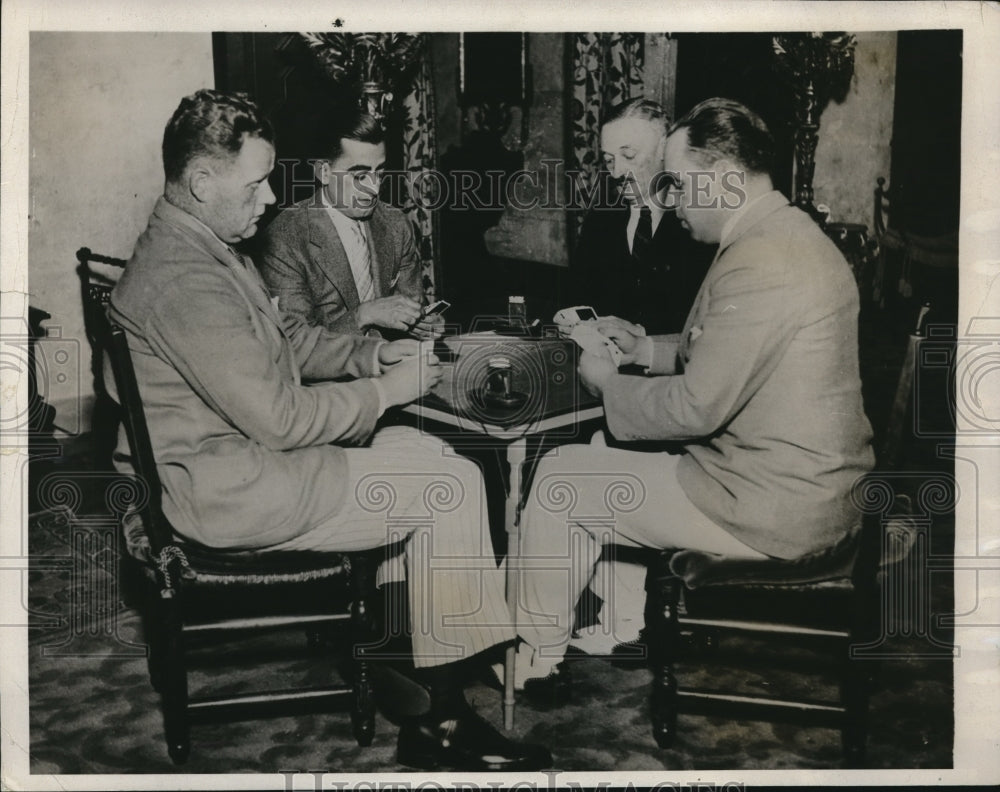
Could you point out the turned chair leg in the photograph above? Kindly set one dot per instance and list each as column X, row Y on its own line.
column 855, row 686
column 858, row 677
column 153, row 631
column 174, row 683
column 363, row 707
column 363, row 700
column 663, row 594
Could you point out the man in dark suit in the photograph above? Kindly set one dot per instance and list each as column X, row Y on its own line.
column 341, row 259
column 633, row 258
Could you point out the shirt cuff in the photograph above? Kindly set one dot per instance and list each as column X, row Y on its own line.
column 645, row 356
column 380, row 390
column 376, row 364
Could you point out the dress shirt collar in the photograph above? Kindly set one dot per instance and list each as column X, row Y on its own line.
column 346, row 226
column 656, row 212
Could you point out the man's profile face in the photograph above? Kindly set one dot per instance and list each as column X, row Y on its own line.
column 240, row 191
column 632, row 149
column 351, row 181
column 696, row 192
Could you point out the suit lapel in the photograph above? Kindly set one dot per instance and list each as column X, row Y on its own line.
column 621, row 233
column 331, row 257
column 248, row 281
column 257, row 293
column 766, row 206
column 380, row 245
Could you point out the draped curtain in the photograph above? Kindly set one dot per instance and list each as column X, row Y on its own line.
column 607, row 70
column 419, row 157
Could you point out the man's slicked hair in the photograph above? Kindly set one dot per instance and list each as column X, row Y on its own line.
column 725, row 129
column 338, row 124
column 646, row 109
column 210, row 124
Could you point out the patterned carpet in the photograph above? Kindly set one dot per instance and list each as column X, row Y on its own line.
column 92, row 709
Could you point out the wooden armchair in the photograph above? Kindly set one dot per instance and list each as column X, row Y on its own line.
column 816, row 613
column 910, row 265
column 829, row 602
column 96, row 284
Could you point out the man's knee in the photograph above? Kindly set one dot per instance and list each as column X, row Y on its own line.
column 564, row 459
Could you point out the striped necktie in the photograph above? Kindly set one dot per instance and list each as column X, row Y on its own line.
column 643, row 234
column 361, row 264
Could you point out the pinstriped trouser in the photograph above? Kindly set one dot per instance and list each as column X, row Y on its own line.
column 407, row 484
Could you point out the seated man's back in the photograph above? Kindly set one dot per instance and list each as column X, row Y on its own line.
column 230, row 427
column 761, row 389
column 249, row 456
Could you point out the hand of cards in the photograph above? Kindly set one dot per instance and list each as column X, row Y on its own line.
column 591, row 340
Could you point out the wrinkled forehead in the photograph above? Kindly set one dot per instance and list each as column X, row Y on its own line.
column 637, row 134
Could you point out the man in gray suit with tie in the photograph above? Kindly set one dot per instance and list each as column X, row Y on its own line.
column 252, row 457
column 760, row 390
column 342, row 259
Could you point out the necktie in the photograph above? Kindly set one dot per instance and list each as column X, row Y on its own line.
column 361, row 265
column 643, row 234
column 640, row 263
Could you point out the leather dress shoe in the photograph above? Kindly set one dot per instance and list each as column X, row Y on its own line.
column 465, row 742
column 631, row 654
column 552, row 690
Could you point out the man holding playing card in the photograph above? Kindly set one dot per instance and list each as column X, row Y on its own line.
column 342, row 259
column 760, row 391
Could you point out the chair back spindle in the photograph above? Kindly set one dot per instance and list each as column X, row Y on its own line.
column 137, row 431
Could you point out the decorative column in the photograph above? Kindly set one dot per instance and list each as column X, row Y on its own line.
column 806, row 138
column 816, row 67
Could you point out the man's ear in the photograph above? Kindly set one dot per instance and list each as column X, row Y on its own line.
column 201, row 182
column 321, row 170
column 723, row 166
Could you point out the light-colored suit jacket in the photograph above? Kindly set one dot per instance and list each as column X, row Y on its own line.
column 242, row 447
column 304, row 264
column 763, row 387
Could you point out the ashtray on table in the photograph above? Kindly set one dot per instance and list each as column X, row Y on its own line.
column 505, row 401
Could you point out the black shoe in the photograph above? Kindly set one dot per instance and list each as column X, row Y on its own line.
column 553, row 690
column 465, row 742
column 631, row 654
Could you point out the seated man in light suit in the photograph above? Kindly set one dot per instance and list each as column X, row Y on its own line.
column 761, row 387
column 341, row 259
column 249, row 457
column 633, row 260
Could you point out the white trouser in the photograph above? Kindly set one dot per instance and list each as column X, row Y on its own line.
column 584, row 497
